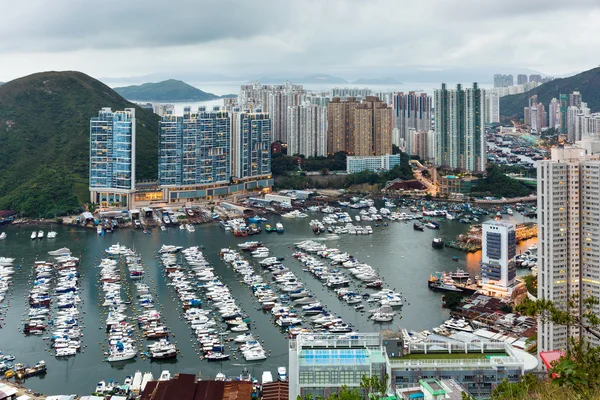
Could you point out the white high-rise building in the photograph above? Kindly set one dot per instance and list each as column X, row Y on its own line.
column 568, row 238
column 498, row 269
column 492, row 107
column 307, row 130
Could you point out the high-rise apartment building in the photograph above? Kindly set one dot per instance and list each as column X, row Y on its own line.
column 522, row 79
column 501, row 80
column 460, row 128
column 373, row 124
column 340, row 126
column 564, row 106
column 535, row 115
column 213, row 153
column 195, row 149
column 307, row 130
column 575, row 99
column 554, row 113
column 253, row 153
column 492, row 107
column 535, row 78
column 568, row 239
column 275, row 99
column 112, row 157
column 498, row 269
column 411, row 111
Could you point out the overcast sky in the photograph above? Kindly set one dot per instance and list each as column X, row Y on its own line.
column 250, row 38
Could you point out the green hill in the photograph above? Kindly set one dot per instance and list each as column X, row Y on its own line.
column 171, row 90
column 44, row 131
column 587, row 83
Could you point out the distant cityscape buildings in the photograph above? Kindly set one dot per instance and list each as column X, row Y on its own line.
column 535, row 115
column 112, row 157
column 460, row 128
column 412, row 111
column 274, row 99
column 571, row 116
column 503, row 80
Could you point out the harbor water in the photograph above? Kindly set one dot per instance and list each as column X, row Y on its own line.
column 403, row 257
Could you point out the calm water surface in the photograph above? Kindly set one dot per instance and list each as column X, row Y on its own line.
column 404, row 258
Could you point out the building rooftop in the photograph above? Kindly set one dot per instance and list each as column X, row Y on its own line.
column 185, row 387
column 332, row 340
column 276, row 391
column 504, row 224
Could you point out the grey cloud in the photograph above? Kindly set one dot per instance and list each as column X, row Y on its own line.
column 354, row 38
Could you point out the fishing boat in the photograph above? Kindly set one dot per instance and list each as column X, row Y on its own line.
column 270, row 229
column 279, row 227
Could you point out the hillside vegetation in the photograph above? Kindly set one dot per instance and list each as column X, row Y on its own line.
column 170, row 90
column 44, row 131
column 587, row 83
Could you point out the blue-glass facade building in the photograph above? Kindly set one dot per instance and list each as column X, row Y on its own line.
column 112, row 157
column 195, row 149
column 253, row 152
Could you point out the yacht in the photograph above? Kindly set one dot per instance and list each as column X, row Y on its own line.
column 60, row 252
column 165, row 375
column 458, row 325
column 282, row 374
column 51, row 234
column 382, row 317
column 33, row 235
column 267, row 377
column 169, row 249
column 190, row 228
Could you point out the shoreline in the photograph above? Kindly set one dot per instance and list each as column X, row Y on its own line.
column 22, row 390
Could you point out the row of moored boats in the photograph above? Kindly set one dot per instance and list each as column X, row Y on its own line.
column 54, row 301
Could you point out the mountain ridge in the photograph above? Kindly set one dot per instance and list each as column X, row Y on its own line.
column 170, row 90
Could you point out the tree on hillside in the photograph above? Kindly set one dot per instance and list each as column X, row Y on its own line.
column 579, row 370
